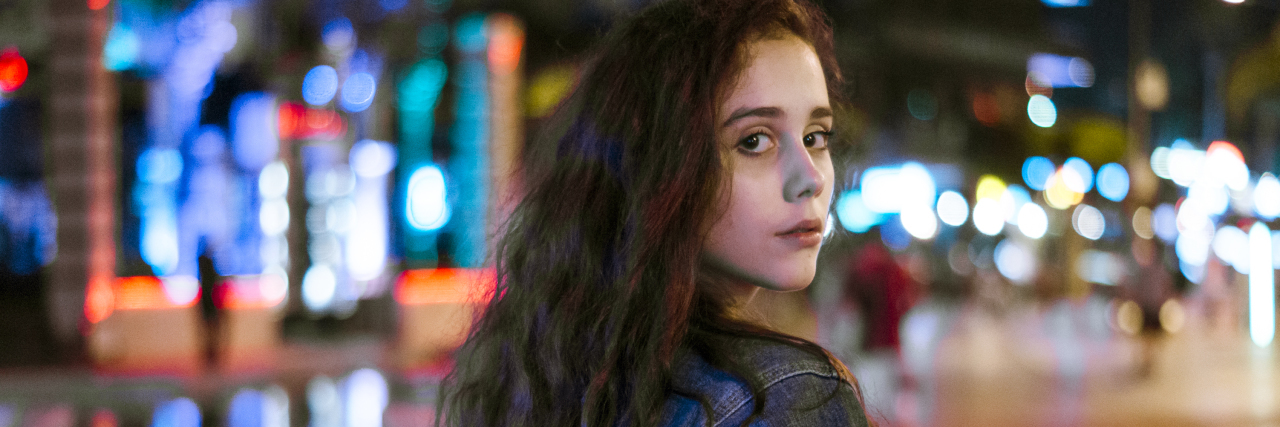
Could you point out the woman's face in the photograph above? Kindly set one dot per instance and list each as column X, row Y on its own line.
column 773, row 128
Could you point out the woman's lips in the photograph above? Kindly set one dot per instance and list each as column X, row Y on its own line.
column 805, row 234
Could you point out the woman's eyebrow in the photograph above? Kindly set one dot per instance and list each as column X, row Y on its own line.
column 821, row 113
column 773, row 112
column 744, row 112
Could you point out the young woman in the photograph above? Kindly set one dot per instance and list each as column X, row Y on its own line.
column 688, row 170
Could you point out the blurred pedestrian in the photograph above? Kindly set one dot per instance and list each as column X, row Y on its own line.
column 1151, row 288
column 883, row 291
column 688, row 170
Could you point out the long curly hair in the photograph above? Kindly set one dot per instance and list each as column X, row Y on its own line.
column 600, row 282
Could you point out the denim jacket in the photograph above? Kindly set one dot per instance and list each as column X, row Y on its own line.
column 800, row 389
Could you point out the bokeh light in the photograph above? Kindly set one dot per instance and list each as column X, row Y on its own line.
column 1083, row 170
column 987, row 217
column 427, row 207
column 1142, row 223
column 1262, row 287
column 953, row 209
column 358, row 92
column 1113, row 182
column 1231, row 245
column 1015, row 262
column 1032, row 221
column 854, row 214
column 1266, row 197
column 320, row 85
column 922, row 104
column 1036, row 171
column 319, row 286
column 1088, row 222
column 1164, row 221
column 920, row 222
column 1041, row 111
column 1185, row 162
column 1160, row 162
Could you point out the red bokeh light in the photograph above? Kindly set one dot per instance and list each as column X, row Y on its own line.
column 444, row 286
column 98, row 4
column 294, row 121
column 13, row 70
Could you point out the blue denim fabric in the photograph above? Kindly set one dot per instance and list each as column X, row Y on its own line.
column 800, row 389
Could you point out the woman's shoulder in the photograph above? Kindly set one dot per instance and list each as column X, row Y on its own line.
column 795, row 383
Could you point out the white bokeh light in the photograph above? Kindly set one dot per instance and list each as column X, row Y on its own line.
column 1032, row 221
column 987, row 217
column 953, row 209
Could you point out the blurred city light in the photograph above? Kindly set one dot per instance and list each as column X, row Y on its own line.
column 324, row 404
column 1231, row 245
column 120, row 52
column 1088, row 222
column 919, row 221
column 1266, row 197
column 1193, row 245
column 1036, row 171
column 1032, row 220
column 854, row 214
column 953, row 209
column 881, row 191
column 366, row 396
column 319, row 286
column 358, row 92
column 1164, row 222
column 1160, row 162
column 922, row 104
column 13, row 70
column 1041, row 111
column 1015, row 262
column 1066, row 3
column 427, row 207
column 320, row 85
column 1262, row 291
column 987, row 216
column 369, row 238
column 253, row 130
column 1011, row 202
column 1103, row 268
column 444, row 286
column 1142, row 223
column 1113, row 182
column 1224, row 164
column 989, row 187
column 1083, row 170
column 180, row 412
column 1060, row 71
column 1185, row 163
column 338, row 35
column 1061, row 194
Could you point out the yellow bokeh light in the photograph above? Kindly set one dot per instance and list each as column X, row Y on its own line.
column 1059, row 195
column 989, row 187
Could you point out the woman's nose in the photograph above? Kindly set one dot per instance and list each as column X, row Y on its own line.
column 801, row 177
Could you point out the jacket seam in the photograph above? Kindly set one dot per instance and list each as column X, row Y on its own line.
column 824, row 373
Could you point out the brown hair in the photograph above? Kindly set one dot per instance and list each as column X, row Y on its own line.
column 600, row 281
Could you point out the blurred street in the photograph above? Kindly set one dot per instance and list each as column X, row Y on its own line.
column 1059, row 366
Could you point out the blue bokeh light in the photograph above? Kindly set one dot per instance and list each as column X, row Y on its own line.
column 180, row 412
column 1036, row 172
column 1113, row 182
column 854, row 214
column 358, row 91
column 120, row 51
column 320, row 85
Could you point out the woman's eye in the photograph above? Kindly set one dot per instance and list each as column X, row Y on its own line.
column 817, row 139
column 756, row 143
